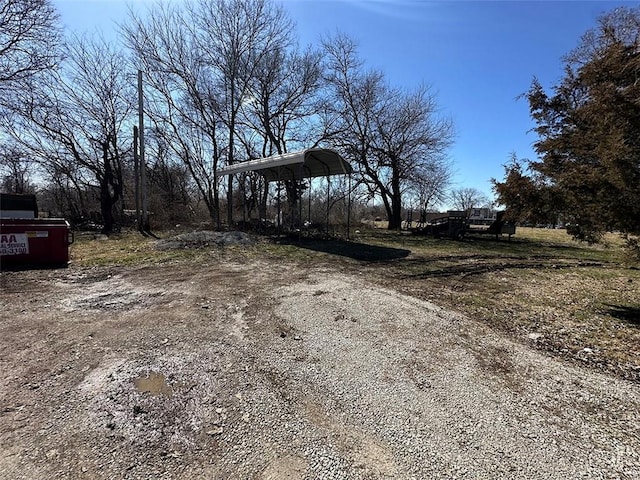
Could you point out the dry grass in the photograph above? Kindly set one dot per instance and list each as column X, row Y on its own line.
column 131, row 248
column 575, row 300
column 571, row 299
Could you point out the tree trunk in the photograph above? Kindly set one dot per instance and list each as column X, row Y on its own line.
column 106, row 208
column 110, row 191
column 264, row 197
column 230, row 202
column 214, row 213
column 395, row 217
column 216, row 204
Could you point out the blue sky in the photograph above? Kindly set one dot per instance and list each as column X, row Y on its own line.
column 477, row 56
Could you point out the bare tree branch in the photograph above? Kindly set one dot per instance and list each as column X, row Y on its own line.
column 394, row 137
column 29, row 37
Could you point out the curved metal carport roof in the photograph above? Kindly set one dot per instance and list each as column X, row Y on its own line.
column 310, row 163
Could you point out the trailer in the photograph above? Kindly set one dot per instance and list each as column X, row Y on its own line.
column 452, row 224
column 456, row 224
column 498, row 228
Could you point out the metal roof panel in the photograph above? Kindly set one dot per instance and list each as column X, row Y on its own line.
column 310, row 163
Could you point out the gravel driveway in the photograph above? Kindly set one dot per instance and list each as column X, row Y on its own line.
column 267, row 371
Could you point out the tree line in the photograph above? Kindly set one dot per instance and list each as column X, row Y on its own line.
column 225, row 81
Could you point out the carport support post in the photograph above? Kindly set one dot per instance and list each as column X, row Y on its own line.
column 300, row 213
column 309, row 214
column 244, row 202
column 299, row 186
column 328, row 196
column 349, row 209
column 278, row 222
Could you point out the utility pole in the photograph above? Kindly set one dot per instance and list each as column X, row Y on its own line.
column 143, row 165
column 136, row 176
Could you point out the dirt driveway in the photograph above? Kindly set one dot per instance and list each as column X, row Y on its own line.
column 272, row 371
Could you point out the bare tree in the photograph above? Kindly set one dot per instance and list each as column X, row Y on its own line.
column 170, row 183
column 29, row 45
column 181, row 98
column 239, row 34
column 393, row 136
column 200, row 62
column 17, row 170
column 73, row 121
column 466, row 198
column 429, row 186
column 29, row 37
column 282, row 98
column 410, row 145
column 280, row 110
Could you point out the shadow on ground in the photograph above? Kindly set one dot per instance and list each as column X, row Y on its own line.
column 355, row 250
column 469, row 265
column 625, row 313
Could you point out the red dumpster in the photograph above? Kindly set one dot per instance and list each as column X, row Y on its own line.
column 34, row 241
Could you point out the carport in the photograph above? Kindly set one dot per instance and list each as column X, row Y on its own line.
column 296, row 166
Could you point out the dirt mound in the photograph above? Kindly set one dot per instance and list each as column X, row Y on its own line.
column 204, row 239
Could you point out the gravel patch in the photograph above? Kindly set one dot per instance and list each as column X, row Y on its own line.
column 269, row 371
column 443, row 397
